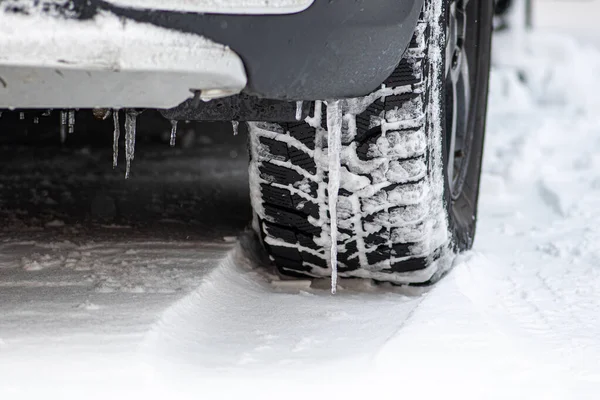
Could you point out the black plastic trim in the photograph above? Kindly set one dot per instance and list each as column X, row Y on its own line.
column 241, row 107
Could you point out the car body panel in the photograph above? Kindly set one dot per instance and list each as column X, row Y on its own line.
column 333, row 49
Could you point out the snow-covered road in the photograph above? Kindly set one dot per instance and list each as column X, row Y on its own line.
column 99, row 310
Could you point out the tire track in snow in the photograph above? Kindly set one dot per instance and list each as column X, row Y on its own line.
column 261, row 324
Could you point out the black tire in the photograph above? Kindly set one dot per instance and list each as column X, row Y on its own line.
column 502, row 7
column 400, row 217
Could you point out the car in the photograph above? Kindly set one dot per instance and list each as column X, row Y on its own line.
column 365, row 118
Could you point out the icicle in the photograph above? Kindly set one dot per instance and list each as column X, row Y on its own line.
column 21, row 115
column 299, row 110
column 334, row 144
column 36, row 120
column 0, row 114
column 235, row 125
column 173, row 132
column 130, row 126
column 116, row 135
column 63, row 126
column 71, row 121
column 46, row 113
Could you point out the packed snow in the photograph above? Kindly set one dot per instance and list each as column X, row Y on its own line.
column 516, row 318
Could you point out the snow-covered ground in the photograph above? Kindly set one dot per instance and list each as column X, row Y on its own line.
column 578, row 18
column 126, row 311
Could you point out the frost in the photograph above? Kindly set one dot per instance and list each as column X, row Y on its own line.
column 130, row 127
column 235, row 126
column 173, row 132
column 334, row 144
column 116, row 135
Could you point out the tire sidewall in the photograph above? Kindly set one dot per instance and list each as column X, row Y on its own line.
column 462, row 211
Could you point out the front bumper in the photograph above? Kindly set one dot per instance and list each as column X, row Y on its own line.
column 105, row 62
column 129, row 57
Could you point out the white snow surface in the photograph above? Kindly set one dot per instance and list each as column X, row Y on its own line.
column 221, row 6
column 516, row 318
